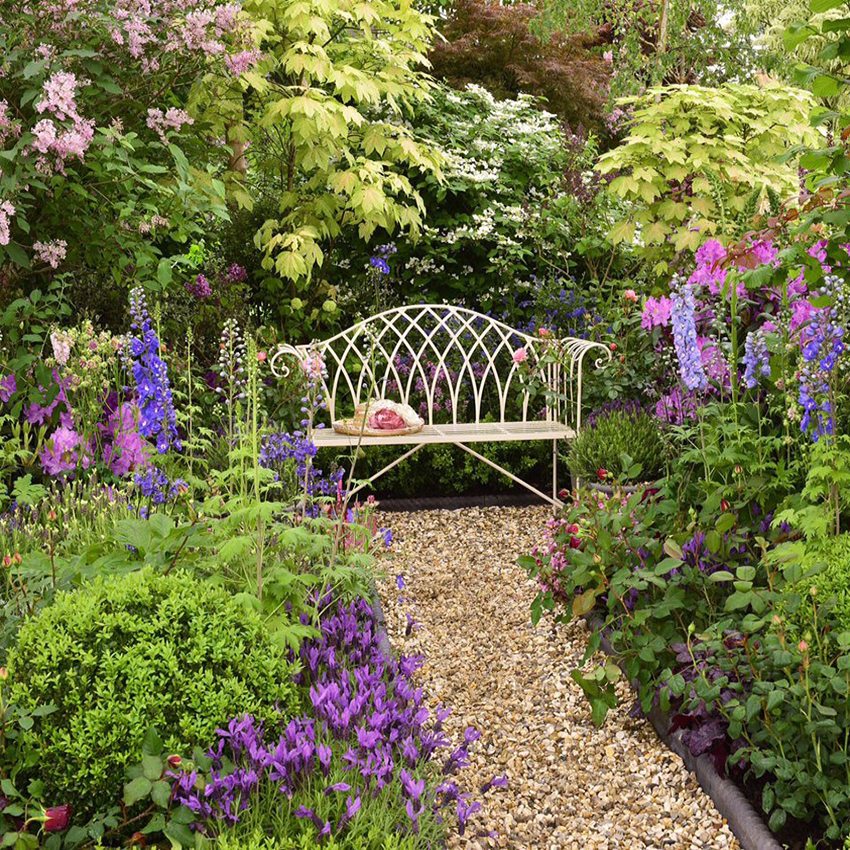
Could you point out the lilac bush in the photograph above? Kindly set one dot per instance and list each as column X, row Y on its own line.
column 93, row 106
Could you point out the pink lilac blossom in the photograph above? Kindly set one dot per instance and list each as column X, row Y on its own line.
column 241, row 62
column 60, row 96
column 51, row 253
column 172, row 119
column 7, row 211
column 656, row 313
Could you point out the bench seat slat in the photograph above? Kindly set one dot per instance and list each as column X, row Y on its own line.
column 482, row 432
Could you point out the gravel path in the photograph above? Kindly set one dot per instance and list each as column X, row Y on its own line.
column 572, row 786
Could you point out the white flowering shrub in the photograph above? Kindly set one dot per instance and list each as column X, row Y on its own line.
column 511, row 209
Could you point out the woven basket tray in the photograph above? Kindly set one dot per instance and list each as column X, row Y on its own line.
column 356, row 428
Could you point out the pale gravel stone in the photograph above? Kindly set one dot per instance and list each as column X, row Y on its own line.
column 572, row 786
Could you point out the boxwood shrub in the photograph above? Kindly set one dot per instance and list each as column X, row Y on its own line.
column 126, row 654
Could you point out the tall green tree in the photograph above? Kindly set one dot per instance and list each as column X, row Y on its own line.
column 320, row 121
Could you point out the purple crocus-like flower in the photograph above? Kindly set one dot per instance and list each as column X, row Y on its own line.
column 683, row 317
column 465, row 810
column 495, row 782
column 368, row 719
column 158, row 419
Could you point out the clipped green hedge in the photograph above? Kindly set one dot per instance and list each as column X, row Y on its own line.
column 127, row 654
column 614, row 434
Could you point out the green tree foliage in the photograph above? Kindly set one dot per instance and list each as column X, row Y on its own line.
column 661, row 42
column 698, row 160
column 324, row 114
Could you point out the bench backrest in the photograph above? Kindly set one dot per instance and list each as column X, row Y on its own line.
column 450, row 363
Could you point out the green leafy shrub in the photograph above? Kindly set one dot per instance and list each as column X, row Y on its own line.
column 824, row 590
column 625, row 441
column 124, row 655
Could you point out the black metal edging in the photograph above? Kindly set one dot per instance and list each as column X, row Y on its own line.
column 745, row 822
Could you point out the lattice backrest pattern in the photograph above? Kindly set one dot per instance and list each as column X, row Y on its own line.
column 450, row 363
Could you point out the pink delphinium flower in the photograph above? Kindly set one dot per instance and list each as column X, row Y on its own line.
column 802, row 312
column 708, row 271
column 520, row 356
column 656, row 313
column 313, row 366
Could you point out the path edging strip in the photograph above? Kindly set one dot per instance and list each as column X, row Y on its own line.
column 745, row 822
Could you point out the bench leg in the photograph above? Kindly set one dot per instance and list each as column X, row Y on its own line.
column 553, row 500
column 554, row 470
column 386, row 469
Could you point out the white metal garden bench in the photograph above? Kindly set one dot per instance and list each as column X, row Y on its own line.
column 449, row 363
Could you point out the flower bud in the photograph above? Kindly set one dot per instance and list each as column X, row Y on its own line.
column 174, row 761
column 57, row 818
column 803, row 646
column 4, row 674
column 7, row 560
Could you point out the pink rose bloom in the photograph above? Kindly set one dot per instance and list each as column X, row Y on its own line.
column 386, row 420
column 630, row 295
column 520, row 355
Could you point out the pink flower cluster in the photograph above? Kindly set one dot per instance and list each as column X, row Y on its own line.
column 7, row 211
column 172, row 119
column 656, row 313
column 51, row 253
